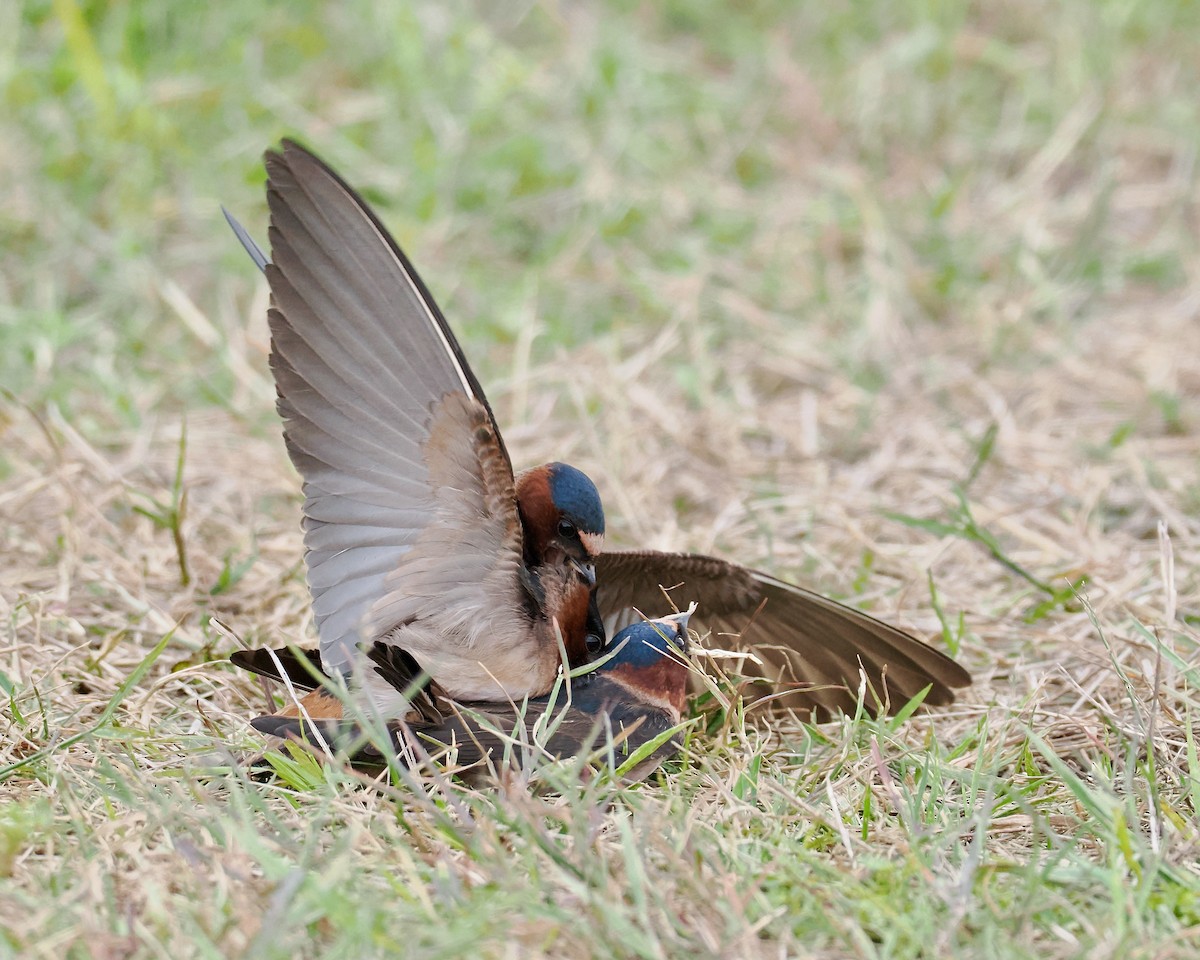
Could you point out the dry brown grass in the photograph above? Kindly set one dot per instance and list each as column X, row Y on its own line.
column 89, row 586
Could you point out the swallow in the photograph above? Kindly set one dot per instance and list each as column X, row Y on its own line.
column 419, row 536
column 636, row 694
column 417, row 533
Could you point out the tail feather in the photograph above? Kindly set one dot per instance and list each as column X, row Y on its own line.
column 303, row 668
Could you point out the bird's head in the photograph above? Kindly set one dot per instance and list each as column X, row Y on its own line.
column 563, row 521
column 651, row 657
column 562, row 513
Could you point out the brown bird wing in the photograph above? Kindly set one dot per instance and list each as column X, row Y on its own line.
column 362, row 356
column 810, row 645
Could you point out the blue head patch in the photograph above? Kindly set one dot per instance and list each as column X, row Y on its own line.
column 576, row 497
column 646, row 644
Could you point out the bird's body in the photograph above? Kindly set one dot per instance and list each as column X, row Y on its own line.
column 635, row 695
column 420, row 539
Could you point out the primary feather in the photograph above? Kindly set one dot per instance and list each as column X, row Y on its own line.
column 411, row 525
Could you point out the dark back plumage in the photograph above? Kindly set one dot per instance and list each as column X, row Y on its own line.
column 630, row 698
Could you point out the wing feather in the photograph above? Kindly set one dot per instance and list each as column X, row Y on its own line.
column 361, row 355
column 812, row 647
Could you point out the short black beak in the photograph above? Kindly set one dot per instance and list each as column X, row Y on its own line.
column 587, row 571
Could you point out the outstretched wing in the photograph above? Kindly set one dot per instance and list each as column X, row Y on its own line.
column 362, row 357
column 811, row 646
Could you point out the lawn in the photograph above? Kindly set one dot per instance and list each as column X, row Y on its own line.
column 899, row 300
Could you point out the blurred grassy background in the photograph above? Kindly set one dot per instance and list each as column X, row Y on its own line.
column 576, row 162
column 873, row 293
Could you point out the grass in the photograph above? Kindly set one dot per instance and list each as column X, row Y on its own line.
column 895, row 299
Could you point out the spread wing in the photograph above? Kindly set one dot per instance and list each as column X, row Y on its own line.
column 361, row 356
column 810, row 645
column 457, row 598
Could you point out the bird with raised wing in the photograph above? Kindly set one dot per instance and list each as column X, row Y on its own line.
column 634, row 695
column 417, row 533
column 418, row 536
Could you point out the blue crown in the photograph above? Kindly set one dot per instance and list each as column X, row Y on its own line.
column 646, row 642
column 576, row 497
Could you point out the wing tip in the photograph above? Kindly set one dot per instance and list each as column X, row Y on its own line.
column 253, row 249
column 275, row 726
column 284, row 663
column 288, row 167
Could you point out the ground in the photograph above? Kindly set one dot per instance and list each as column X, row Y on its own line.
column 897, row 300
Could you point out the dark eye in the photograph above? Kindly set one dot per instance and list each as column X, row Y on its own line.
column 595, row 643
column 566, row 529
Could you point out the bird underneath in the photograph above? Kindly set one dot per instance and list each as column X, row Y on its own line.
column 636, row 694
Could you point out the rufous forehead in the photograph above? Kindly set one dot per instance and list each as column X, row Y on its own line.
column 534, row 484
column 593, row 543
